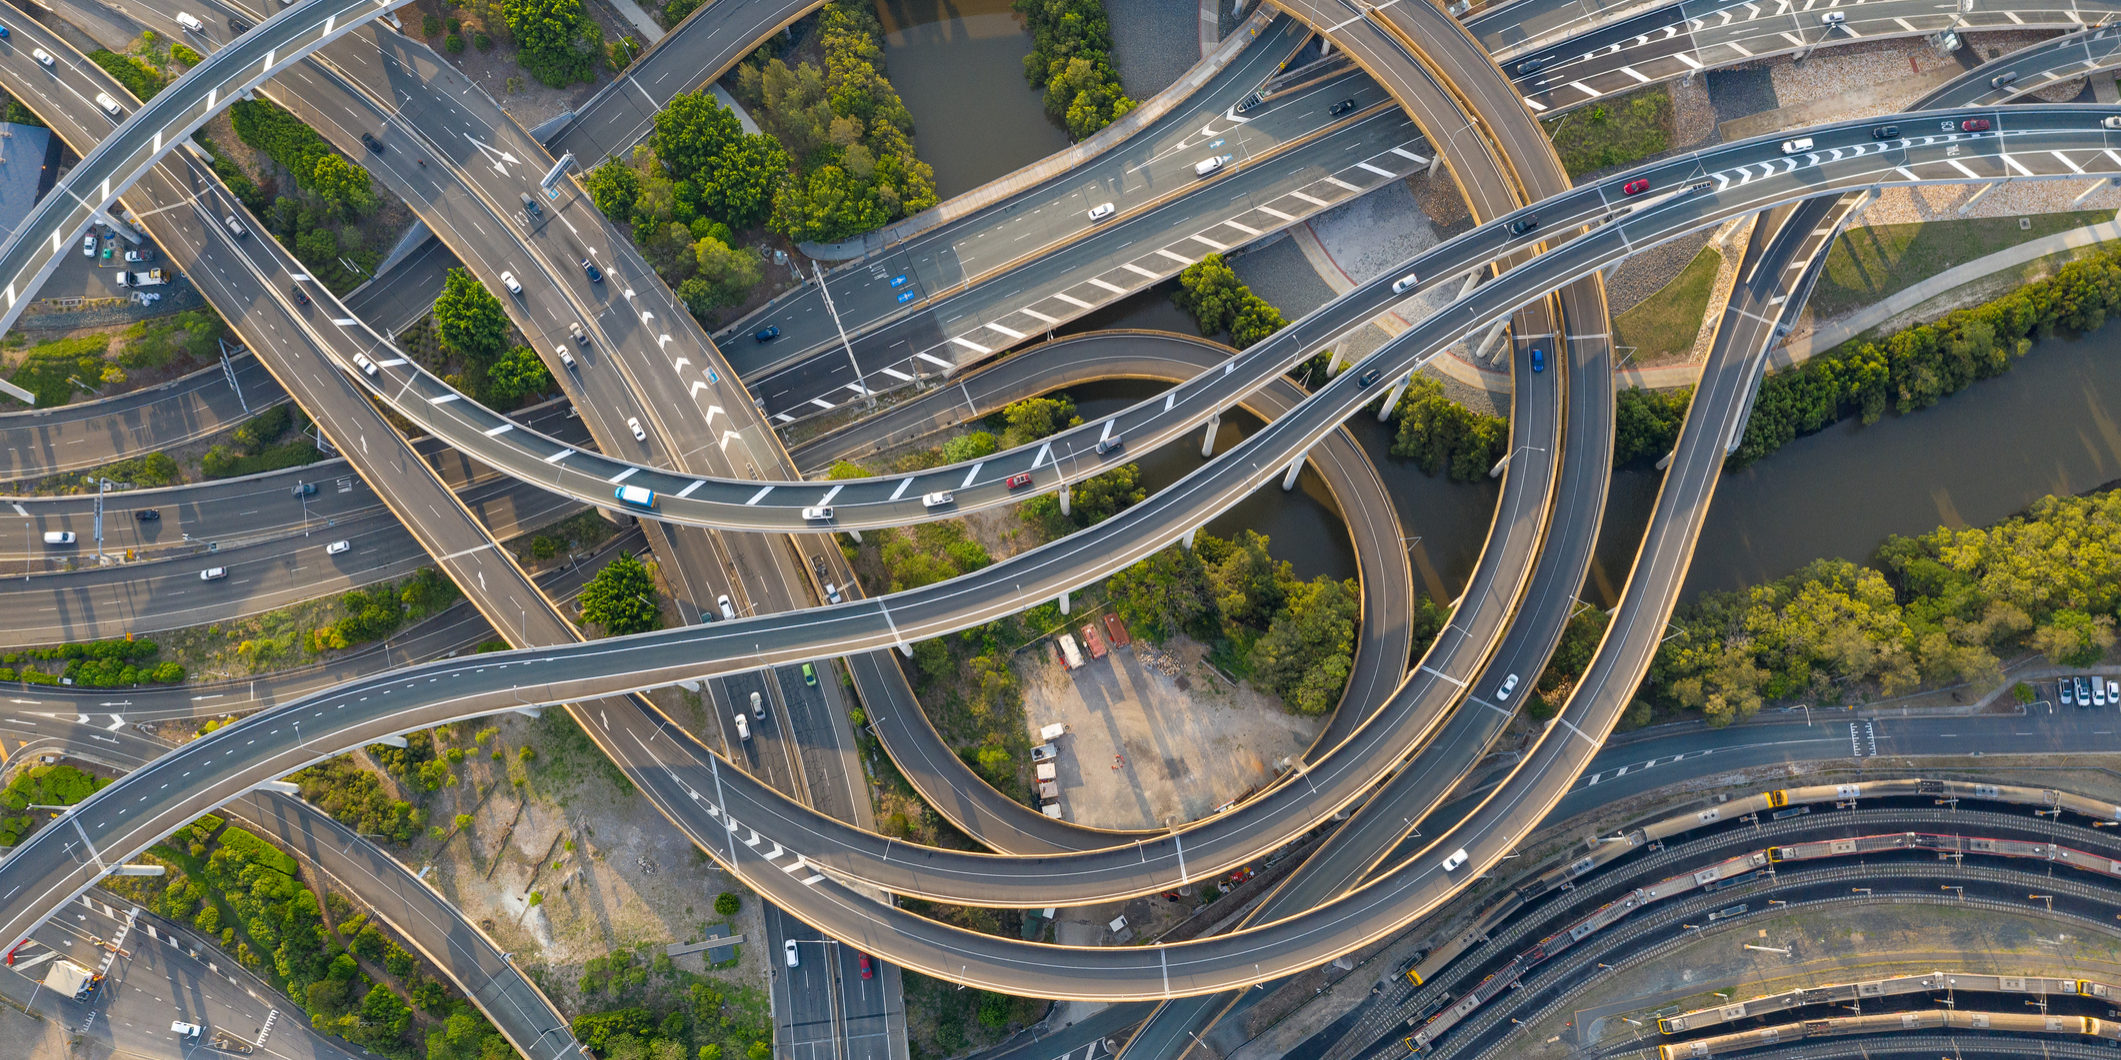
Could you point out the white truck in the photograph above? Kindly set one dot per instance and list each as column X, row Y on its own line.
column 1070, row 652
column 150, row 278
column 69, row 979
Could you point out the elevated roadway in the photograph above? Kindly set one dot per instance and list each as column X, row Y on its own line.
column 2053, row 127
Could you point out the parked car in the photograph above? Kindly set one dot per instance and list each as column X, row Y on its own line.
column 140, row 254
column 2066, row 690
column 88, row 245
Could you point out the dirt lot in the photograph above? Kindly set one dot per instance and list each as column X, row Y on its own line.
column 1156, row 737
column 610, row 871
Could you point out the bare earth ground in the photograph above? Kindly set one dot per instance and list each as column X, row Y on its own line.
column 36, row 1038
column 525, row 99
column 1156, row 738
column 1867, row 941
column 629, row 878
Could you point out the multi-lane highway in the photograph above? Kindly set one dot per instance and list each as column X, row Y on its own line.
column 2056, row 127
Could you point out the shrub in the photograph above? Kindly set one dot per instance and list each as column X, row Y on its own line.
column 727, row 904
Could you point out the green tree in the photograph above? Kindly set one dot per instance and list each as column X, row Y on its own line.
column 2071, row 637
column 621, row 597
column 969, row 446
column 1255, row 321
column 1211, row 293
column 342, row 186
column 723, row 172
column 517, row 374
column 614, row 186
column 1309, row 650
column 1646, row 423
column 1035, row 418
column 1164, row 595
column 725, row 278
column 559, row 43
column 1250, row 584
column 469, row 319
column 727, row 904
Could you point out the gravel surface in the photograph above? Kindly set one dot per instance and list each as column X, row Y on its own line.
column 1379, row 230
column 1278, row 272
column 1740, row 90
column 1646, row 271
column 1154, row 42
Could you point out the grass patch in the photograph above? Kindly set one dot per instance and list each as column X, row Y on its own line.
column 1867, row 264
column 55, row 370
column 1666, row 324
column 1620, row 130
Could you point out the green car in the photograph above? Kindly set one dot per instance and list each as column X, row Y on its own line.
column 810, row 675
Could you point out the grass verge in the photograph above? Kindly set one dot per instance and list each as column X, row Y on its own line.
column 1666, row 324
column 1867, row 264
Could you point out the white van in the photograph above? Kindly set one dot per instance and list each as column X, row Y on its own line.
column 188, row 22
column 1404, row 284
column 1797, row 146
column 59, row 537
column 109, row 105
column 1207, row 165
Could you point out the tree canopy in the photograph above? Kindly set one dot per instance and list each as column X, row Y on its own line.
column 620, row 599
column 469, row 319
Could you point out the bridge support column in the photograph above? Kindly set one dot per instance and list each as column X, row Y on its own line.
column 1501, row 465
column 1665, row 461
column 1190, row 535
column 1065, row 506
column 1384, row 414
column 856, row 535
column 1472, row 281
column 123, row 229
column 1494, row 336
column 1296, row 467
column 905, row 649
column 1207, row 441
column 1064, row 603
column 1333, row 359
column 531, row 712
column 1979, row 194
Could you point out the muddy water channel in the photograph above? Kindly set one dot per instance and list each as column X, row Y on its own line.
column 959, row 66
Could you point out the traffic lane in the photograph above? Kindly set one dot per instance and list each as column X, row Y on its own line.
column 1207, row 108
column 90, row 434
column 126, row 152
column 1088, row 251
column 224, row 730
column 808, row 1012
column 255, row 507
column 1477, row 295
column 1030, row 230
column 258, row 576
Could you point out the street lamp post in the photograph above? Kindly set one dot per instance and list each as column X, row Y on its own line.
column 845, row 344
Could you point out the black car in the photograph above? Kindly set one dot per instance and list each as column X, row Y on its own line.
column 596, row 275
column 238, row 25
column 369, row 141
column 1369, row 377
column 1340, row 108
column 1530, row 66
column 148, row 515
column 1523, row 224
column 301, row 296
column 1886, row 132
column 768, row 334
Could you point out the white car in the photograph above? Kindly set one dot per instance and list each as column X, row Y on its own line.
column 1207, row 165
column 743, row 728
column 937, row 499
column 1455, row 860
column 43, row 56
column 1509, row 684
column 508, row 280
column 728, row 609
column 758, row 706
column 213, row 574
column 184, row 1030
column 2112, row 122
column 337, row 547
column 788, row 948
column 1102, row 210
column 633, row 423
column 1833, row 18
column 88, row 245
column 362, row 362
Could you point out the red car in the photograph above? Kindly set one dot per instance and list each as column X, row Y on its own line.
column 867, row 972
column 1635, row 187
column 1974, row 125
column 1019, row 480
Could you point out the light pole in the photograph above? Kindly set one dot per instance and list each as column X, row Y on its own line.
column 845, row 343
